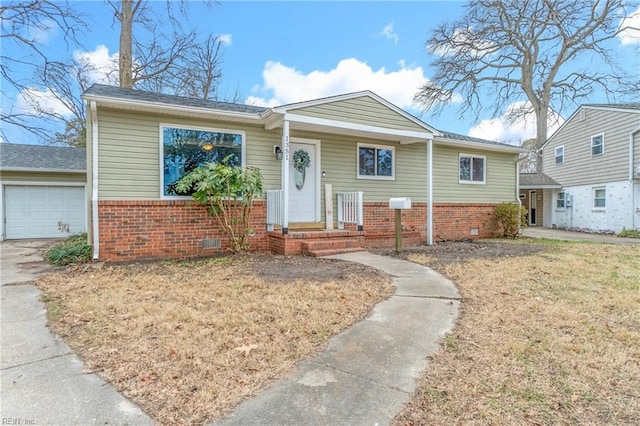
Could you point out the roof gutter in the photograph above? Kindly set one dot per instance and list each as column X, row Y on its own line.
column 633, row 192
column 94, row 179
column 480, row 145
column 36, row 170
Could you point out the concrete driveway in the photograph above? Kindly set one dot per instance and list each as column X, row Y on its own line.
column 557, row 234
column 42, row 381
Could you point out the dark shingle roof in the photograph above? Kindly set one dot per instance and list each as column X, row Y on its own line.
column 34, row 157
column 632, row 105
column 463, row 138
column 139, row 95
column 537, row 180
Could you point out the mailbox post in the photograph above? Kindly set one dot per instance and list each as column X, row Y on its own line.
column 399, row 204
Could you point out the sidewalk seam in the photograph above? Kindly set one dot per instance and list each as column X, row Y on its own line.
column 38, row 360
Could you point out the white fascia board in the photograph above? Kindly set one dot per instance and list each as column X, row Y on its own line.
column 540, row 186
column 402, row 135
column 286, row 108
column 146, row 106
column 482, row 146
column 30, row 169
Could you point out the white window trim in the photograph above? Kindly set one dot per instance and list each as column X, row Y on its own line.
column 556, row 154
column 564, row 206
column 376, row 177
column 602, row 139
column 593, row 203
column 186, row 127
column 484, row 169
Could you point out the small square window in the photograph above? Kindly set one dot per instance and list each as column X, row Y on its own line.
column 561, row 200
column 472, row 169
column 597, row 145
column 599, row 198
column 560, row 155
column 376, row 162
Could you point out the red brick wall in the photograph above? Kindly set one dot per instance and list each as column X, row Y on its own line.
column 138, row 230
column 163, row 229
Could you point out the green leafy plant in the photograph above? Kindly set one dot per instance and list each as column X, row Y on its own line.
column 629, row 233
column 301, row 160
column 509, row 217
column 74, row 249
column 227, row 191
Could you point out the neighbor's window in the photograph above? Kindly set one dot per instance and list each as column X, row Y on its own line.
column 599, row 198
column 560, row 155
column 597, row 145
column 184, row 149
column 472, row 169
column 561, row 200
column 376, row 162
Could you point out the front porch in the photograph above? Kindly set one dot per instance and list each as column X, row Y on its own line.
column 314, row 242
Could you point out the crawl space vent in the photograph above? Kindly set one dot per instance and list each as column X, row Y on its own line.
column 214, row 243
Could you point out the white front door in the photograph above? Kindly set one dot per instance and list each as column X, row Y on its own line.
column 303, row 182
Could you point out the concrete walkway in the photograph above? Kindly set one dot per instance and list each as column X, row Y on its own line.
column 557, row 234
column 365, row 374
column 42, row 381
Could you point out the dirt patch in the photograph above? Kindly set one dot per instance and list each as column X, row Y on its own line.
column 188, row 341
column 443, row 254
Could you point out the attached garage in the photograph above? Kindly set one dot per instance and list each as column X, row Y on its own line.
column 42, row 191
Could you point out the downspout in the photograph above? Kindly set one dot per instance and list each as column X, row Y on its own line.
column 518, row 191
column 430, row 192
column 633, row 192
column 94, row 179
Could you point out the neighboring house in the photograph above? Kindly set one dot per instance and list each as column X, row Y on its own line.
column 356, row 150
column 595, row 157
column 42, row 191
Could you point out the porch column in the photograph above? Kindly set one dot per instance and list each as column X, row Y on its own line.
column 285, row 176
column 430, row 192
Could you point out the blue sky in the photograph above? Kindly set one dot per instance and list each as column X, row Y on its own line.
column 282, row 52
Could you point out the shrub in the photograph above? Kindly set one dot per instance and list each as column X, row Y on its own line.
column 227, row 191
column 509, row 217
column 72, row 250
column 629, row 233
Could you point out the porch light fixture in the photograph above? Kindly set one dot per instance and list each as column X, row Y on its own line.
column 208, row 146
column 278, row 152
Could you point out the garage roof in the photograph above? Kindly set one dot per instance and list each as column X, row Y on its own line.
column 40, row 158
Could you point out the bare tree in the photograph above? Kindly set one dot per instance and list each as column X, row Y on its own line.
column 530, row 164
column 25, row 25
column 202, row 70
column 515, row 49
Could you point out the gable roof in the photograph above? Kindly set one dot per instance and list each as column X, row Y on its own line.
column 40, row 158
column 633, row 107
column 138, row 100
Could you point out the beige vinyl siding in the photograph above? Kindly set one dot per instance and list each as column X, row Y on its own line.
column 362, row 110
column 42, row 177
column 636, row 149
column 580, row 167
column 129, row 152
column 500, row 177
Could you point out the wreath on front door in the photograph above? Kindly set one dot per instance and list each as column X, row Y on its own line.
column 301, row 160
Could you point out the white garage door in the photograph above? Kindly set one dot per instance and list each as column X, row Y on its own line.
column 40, row 211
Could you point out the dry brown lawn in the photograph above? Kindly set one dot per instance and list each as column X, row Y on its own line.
column 188, row 341
column 548, row 338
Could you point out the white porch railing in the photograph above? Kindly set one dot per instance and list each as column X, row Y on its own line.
column 350, row 209
column 275, row 208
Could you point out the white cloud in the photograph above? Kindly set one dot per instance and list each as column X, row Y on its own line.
column 40, row 102
column 99, row 65
column 226, row 39
column 631, row 35
column 513, row 131
column 42, row 31
column 387, row 31
column 284, row 85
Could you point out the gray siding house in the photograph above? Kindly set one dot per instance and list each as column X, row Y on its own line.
column 595, row 158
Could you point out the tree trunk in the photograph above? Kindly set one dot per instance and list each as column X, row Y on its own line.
column 542, row 117
column 125, row 62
